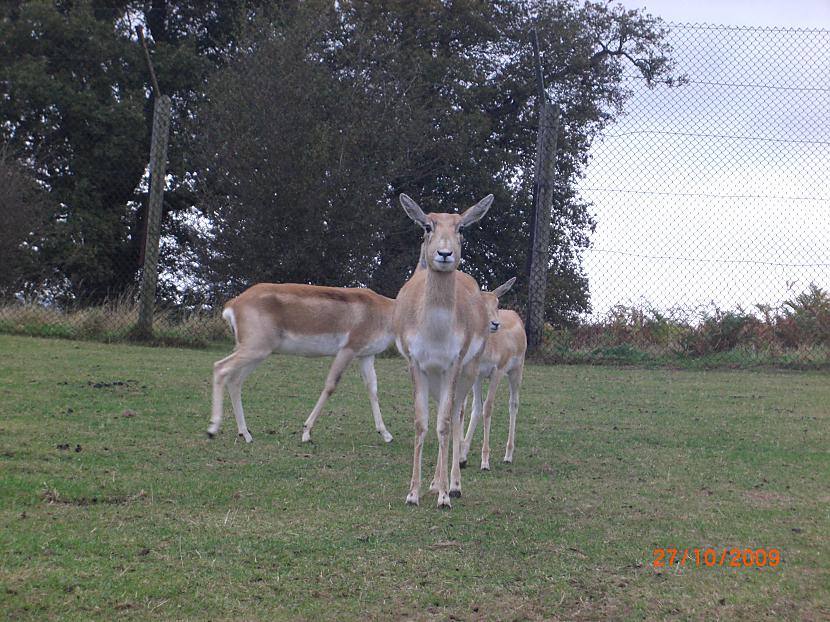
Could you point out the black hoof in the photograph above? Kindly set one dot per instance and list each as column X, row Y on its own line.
column 463, row 464
column 455, row 494
column 508, row 462
column 211, row 434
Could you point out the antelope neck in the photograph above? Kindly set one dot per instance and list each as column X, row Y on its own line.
column 440, row 289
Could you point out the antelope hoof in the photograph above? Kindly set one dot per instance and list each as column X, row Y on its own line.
column 444, row 501
column 485, row 466
column 507, row 461
column 455, row 494
column 387, row 438
column 412, row 499
column 248, row 438
column 463, row 464
column 306, row 436
column 211, row 434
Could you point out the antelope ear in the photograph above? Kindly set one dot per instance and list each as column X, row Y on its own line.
column 502, row 289
column 413, row 210
column 476, row 212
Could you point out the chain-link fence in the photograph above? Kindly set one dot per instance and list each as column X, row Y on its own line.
column 711, row 197
column 710, row 200
column 717, row 189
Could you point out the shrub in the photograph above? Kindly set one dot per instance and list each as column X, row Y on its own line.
column 806, row 319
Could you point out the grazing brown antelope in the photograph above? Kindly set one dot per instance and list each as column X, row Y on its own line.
column 441, row 326
column 310, row 320
column 503, row 355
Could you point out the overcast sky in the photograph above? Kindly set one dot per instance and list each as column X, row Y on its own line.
column 718, row 191
column 782, row 13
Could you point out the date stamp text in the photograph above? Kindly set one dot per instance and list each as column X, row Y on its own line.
column 734, row 557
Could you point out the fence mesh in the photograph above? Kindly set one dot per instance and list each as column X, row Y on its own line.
column 710, row 199
column 715, row 192
column 711, row 203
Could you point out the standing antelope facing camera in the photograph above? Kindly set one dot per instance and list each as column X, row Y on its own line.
column 503, row 355
column 441, row 326
column 308, row 320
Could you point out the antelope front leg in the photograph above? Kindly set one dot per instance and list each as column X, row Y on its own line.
column 443, row 424
column 475, row 415
column 421, row 385
column 341, row 362
column 457, row 442
column 465, row 380
column 447, row 413
column 370, row 379
column 433, row 485
column 488, row 413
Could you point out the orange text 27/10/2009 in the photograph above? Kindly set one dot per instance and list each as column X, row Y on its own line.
column 732, row 557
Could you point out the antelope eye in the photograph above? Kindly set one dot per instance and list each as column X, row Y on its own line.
column 428, row 228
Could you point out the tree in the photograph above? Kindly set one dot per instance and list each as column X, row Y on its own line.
column 320, row 114
column 453, row 84
column 22, row 208
column 75, row 101
column 293, row 159
column 586, row 47
column 73, row 108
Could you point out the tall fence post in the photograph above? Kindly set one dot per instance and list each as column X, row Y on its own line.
column 541, row 98
column 546, row 142
column 158, row 164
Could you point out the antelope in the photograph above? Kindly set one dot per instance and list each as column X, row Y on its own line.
column 310, row 320
column 441, row 326
column 503, row 355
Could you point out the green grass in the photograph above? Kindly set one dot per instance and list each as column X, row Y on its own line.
column 115, row 505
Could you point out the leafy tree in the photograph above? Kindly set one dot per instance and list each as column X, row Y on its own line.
column 293, row 160
column 75, row 102
column 320, row 114
column 23, row 205
column 72, row 104
column 308, row 192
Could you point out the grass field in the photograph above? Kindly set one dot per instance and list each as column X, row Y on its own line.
column 115, row 505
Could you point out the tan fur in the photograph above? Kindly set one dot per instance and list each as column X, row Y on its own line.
column 441, row 327
column 470, row 317
column 307, row 320
column 504, row 355
column 508, row 341
column 265, row 310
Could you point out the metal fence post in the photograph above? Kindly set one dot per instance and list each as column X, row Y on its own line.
column 158, row 163
column 546, row 142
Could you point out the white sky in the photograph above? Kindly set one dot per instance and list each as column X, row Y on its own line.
column 719, row 191
column 781, row 13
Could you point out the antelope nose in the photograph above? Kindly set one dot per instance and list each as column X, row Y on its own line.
column 495, row 325
column 445, row 254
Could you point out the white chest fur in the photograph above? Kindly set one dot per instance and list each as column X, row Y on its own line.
column 437, row 344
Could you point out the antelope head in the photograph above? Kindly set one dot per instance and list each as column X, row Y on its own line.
column 441, row 249
column 491, row 301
